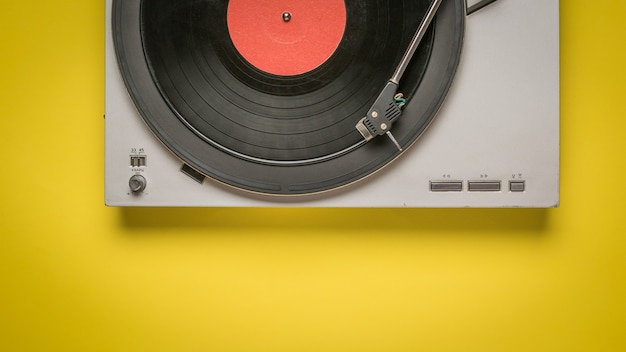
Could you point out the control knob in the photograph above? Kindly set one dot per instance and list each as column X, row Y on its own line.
column 137, row 183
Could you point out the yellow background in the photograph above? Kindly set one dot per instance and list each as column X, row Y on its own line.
column 75, row 275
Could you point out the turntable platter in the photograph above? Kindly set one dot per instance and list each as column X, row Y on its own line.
column 231, row 118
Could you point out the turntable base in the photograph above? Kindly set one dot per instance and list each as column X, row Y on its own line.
column 489, row 138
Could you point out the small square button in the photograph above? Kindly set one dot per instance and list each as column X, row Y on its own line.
column 517, row 186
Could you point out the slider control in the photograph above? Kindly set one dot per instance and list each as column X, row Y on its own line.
column 484, row 186
column 446, row 186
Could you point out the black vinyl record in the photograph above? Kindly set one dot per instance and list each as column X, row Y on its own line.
column 272, row 133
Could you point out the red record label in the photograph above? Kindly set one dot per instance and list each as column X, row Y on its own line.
column 286, row 37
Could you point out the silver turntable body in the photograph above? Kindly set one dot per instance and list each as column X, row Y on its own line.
column 494, row 142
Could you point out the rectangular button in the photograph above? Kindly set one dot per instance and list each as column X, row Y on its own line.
column 484, row 186
column 446, row 186
column 517, row 186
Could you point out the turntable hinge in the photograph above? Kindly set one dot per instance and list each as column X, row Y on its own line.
column 478, row 5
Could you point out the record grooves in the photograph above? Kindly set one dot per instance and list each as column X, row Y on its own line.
column 278, row 134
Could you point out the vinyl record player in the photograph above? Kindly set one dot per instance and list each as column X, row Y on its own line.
column 247, row 103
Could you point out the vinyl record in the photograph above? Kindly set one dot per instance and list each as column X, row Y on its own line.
column 246, row 102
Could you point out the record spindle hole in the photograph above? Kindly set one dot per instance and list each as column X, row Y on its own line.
column 286, row 38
